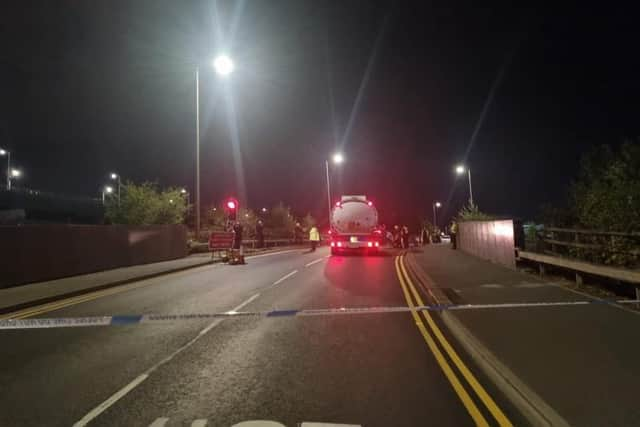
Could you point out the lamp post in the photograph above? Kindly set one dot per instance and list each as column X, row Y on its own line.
column 337, row 158
column 224, row 66
column 435, row 218
column 7, row 153
column 116, row 178
column 460, row 170
column 106, row 190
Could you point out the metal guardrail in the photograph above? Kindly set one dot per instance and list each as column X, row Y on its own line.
column 587, row 252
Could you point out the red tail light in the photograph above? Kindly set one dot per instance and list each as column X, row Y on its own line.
column 370, row 203
column 377, row 244
column 333, row 244
column 338, row 204
column 370, row 244
column 339, row 244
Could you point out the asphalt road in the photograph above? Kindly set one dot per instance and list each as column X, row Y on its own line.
column 369, row 369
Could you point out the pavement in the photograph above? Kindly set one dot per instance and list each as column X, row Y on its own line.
column 375, row 368
column 581, row 361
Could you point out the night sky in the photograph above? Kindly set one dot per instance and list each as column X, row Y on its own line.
column 90, row 87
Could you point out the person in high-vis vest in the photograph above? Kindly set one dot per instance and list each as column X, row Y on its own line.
column 314, row 237
column 454, row 235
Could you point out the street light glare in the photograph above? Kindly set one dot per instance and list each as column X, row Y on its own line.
column 438, row 204
column 338, row 158
column 3, row 152
column 460, row 169
column 114, row 175
column 223, row 65
column 15, row 173
column 264, row 209
column 183, row 191
column 108, row 189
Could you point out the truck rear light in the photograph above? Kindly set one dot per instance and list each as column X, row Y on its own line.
column 339, row 244
column 370, row 244
column 333, row 244
column 377, row 244
column 370, row 203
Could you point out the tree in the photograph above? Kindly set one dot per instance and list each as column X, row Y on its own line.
column 606, row 195
column 279, row 222
column 146, row 204
column 248, row 219
column 472, row 213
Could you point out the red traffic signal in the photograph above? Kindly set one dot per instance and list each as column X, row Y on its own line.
column 231, row 204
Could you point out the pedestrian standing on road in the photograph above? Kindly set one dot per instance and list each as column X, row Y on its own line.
column 237, row 235
column 454, row 234
column 314, row 237
column 260, row 234
column 396, row 237
column 404, row 237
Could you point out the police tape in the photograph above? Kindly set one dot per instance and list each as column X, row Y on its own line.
column 122, row 320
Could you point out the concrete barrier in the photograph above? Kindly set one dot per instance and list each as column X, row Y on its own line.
column 32, row 253
column 490, row 240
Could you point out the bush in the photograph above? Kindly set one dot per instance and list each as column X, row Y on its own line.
column 472, row 213
column 146, row 204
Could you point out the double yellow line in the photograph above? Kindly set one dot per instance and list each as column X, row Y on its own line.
column 428, row 333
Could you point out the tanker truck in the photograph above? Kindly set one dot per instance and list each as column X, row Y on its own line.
column 354, row 226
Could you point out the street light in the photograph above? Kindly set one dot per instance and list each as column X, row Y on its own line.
column 4, row 152
column 435, row 218
column 223, row 66
column 460, row 169
column 264, row 210
column 15, row 173
column 106, row 190
column 185, row 194
column 337, row 159
column 116, row 177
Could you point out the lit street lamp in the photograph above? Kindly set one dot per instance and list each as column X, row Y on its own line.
column 116, row 177
column 4, row 152
column 264, row 210
column 224, row 66
column 106, row 190
column 185, row 194
column 337, row 159
column 435, row 218
column 460, row 170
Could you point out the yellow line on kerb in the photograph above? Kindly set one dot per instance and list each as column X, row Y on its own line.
column 491, row 405
column 471, row 407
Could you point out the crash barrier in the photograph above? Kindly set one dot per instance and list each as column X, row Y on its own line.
column 582, row 267
column 490, row 240
column 70, row 322
column 33, row 253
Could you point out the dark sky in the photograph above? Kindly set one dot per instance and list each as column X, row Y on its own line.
column 88, row 87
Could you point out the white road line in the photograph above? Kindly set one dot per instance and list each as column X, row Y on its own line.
column 314, row 262
column 283, row 278
column 133, row 384
column 199, row 423
column 273, row 253
column 246, row 302
column 307, row 424
column 159, row 422
column 110, row 401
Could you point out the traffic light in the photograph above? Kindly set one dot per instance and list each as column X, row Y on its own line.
column 231, row 206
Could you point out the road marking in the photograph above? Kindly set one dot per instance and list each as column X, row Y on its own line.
column 468, row 403
column 110, row 401
column 305, row 424
column 68, row 302
column 314, row 262
column 199, row 423
column 497, row 413
column 283, row 278
column 272, row 253
column 159, row 422
column 133, row 384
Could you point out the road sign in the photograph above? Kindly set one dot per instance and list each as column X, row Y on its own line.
column 220, row 240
